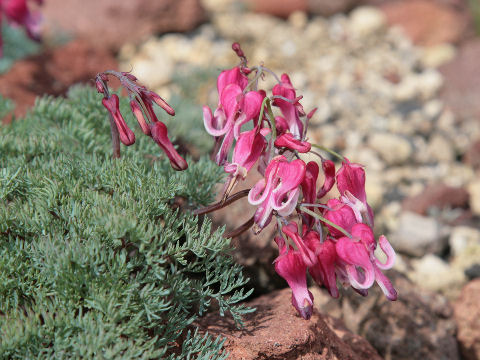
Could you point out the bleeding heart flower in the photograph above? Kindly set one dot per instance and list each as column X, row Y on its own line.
column 291, row 110
column 288, row 141
column 278, row 190
column 289, row 265
column 127, row 137
column 341, row 215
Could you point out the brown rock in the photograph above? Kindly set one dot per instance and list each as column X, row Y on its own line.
column 436, row 196
column 462, row 81
column 328, row 7
column 418, row 325
column 426, row 22
column 467, row 316
column 53, row 72
column 112, row 22
column 275, row 331
column 278, row 8
column 472, row 156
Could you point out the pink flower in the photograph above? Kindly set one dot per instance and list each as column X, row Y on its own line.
column 308, row 256
column 288, row 141
column 290, row 109
column 17, row 13
column 341, row 215
column 160, row 136
column 289, row 265
column 278, row 190
column 248, row 149
column 250, row 145
column 323, row 272
column 359, row 261
column 328, row 167
column 127, row 137
column 351, row 184
column 235, row 109
column 309, row 189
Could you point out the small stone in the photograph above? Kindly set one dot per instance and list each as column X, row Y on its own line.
column 298, row 20
column 393, row 148
column 366, row 20
column 440, row 149
column 432, row 273
column 437, row 55
column 473, row 272
column 462, row 238
column 417, row 235
column 430, row 82
column 474, row 191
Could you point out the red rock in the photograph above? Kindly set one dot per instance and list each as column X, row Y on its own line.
column 275, row 331
column 426, row 22
column 436, row 196
column 53, row 72
column 472, row 156
column 278, row 8
column 419, row 325
column 112, row 22
column 467, row 316
column 328, row 7
column 462, row 81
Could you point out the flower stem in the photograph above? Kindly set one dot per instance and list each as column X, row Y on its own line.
column 330, row 151
column 115, row 137
column 326, row 221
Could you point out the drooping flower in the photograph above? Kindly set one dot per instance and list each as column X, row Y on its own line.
column 127, row 137
column 235, row 110
column 290, row 109
column 278, row 190
column 360, row 263
column 289, row 265
column 341, row 215
column 160, row 136
column 324, row 271
column 17, row 13
column 309, row 189
column 247, row 151
column 351, row 185
column 287, row 140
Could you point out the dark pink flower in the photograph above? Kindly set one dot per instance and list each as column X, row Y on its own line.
column 160, row 136
column 235, row 109
column 358, row 259
column 291, row 110
column 309, row 189
column 328, row 167
column 341, row 215
column 289, row 265
column 308, row 256
column 288, row 141
column 351, row 184
column 278, row 190
column 323, row 272
column 127, row 137
column 248, row 149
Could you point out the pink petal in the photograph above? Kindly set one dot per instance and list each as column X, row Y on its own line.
column 328, row 167
column 127, row 137
column 388, row 250
column 288, row 141
column 385, row 285
column 160, row 136
column 355, row 255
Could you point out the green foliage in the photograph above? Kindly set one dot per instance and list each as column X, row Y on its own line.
column 16, row 45
column 6, row 107
column 101, row 258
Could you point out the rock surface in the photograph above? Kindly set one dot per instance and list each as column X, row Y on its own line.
column 426, row 22
column 53, row 72
column 467, row 316
column 120, row 21
column 419, row 325
column 275, row 331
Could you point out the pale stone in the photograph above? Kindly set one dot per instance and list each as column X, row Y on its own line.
column 366, row 20
column 434, row 56
column 474, row 191
column 393, row 148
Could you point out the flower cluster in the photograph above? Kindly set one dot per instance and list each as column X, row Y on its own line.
column 141, row 104
column 17, row 13
column 330, row 238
